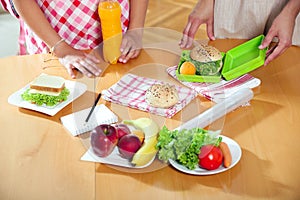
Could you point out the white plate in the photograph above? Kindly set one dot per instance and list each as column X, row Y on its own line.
column 113, row 159
column 76, row 90
column 236, row 154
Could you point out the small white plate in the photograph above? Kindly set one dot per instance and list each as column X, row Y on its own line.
column 236, row 154
column 113, row 159
column 76, row 90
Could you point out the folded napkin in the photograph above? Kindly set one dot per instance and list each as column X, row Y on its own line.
column 130, row 91
column 219, row 91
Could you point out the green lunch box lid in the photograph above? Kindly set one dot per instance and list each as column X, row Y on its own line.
column 236, row 62
column 243, row 58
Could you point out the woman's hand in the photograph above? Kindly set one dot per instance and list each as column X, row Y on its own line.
column 282, row 29
column 203, row 13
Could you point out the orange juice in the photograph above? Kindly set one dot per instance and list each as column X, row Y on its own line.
column 110, row 17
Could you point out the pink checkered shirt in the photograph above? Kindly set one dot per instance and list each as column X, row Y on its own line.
column 75, row 21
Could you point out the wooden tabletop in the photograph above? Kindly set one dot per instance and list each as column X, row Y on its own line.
column 41, row 160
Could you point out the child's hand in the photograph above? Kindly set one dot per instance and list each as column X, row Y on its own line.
column 131, row 45
column 87, row 64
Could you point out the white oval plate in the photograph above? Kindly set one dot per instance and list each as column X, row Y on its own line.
column 113, row 159
column 76, row 90
column 236, row 154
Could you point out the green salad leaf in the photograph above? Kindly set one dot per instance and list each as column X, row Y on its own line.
column 184, row 146
column 48, row 100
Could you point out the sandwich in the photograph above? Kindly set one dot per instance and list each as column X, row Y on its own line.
column 46, row 90
column 162, row 95
column 206, row 59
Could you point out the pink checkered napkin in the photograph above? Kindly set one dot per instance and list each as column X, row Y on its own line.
column 221, row 90
column 130, row 91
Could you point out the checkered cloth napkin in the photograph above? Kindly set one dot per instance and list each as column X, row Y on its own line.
column 130, row 91
column 218, row 91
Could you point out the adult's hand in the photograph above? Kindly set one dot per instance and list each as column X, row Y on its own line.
column 203, row 13
column 282, row 29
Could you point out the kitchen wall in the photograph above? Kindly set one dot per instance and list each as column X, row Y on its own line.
column 9, row 32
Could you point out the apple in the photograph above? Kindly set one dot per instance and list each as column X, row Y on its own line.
column 104, row 138
column 122, row 129
column 128, row 145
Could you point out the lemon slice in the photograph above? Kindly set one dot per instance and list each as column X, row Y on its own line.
column 146, row 153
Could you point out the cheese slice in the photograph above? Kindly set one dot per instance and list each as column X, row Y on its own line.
column 34, row 91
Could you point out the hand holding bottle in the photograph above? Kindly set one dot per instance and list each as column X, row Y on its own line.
column 131, row 45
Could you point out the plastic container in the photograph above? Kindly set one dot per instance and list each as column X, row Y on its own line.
column 236, row 62
column 244, row 58
column 197, row 78
column 110, row 17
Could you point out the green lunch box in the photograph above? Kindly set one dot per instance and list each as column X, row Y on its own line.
column 236, row 62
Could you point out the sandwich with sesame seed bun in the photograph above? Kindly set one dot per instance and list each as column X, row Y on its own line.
column 206, row 59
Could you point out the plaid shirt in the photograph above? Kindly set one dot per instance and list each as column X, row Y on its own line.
column 75, row 21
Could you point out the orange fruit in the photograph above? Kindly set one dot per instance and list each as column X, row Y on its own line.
column 187, row 68
column 140, row 134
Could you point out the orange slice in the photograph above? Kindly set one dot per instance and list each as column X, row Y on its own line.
column 187, row 68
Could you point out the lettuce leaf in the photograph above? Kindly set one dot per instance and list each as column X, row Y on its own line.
column 48, row 100
column 184, row 146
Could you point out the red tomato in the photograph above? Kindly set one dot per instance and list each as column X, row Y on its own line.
column 210, row 157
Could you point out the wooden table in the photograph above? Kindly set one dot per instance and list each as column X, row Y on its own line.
column 41, row 160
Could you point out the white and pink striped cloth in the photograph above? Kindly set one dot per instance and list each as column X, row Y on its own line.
column 218, row 91
column 130, row 91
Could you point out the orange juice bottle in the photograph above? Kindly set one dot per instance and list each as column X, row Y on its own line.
column 110, row 17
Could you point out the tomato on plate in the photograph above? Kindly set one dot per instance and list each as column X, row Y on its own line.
column 210, row 157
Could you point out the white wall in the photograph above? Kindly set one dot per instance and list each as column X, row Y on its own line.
column 9, row 32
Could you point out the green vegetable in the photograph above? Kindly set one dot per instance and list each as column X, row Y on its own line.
column 48, row 100
column 208, row 68
column 202, row 68
column 184, row 146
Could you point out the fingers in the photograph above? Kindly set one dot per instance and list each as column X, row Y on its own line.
column 266, row 42
column 130, row 55
column 188, row 35
column 210, row 31
column 70, row 71
column 86, row 64
column 130, row 47
column 275, row 52
column 92, row 57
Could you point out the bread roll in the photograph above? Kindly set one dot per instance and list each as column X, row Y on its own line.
column 205, row 53
column 162, row 95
